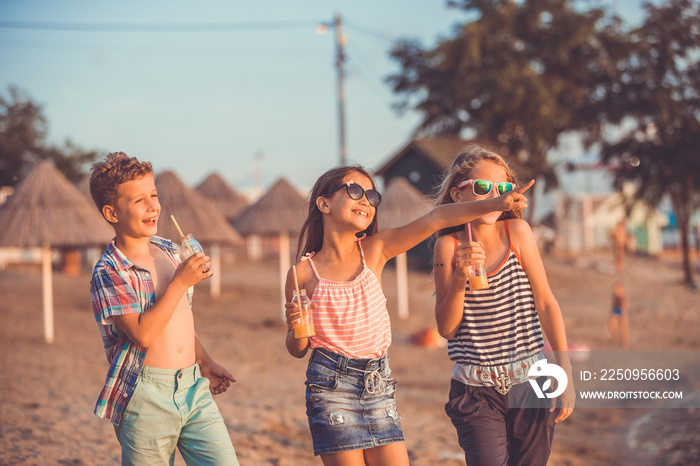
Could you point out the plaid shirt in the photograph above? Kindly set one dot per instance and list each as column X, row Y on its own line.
column 119, row 287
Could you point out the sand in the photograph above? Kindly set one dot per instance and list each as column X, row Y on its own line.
column 47, row 392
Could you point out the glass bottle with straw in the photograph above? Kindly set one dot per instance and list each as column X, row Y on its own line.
column 188, row 245
column 305, row 327
column 476, row 273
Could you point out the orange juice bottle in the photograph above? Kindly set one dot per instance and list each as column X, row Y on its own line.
column 477, row 277
column 305, row 327
column 478, row 283
column 476, row 273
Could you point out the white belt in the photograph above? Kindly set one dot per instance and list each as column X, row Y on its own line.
column 501, row 377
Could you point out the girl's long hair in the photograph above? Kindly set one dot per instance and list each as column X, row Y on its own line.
column 460, row 171
column 311, row 235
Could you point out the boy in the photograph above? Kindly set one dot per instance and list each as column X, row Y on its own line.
column 157, row 392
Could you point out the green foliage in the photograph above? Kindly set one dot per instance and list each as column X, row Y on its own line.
column 658, row 97
column 23, row 130
column 519, row 76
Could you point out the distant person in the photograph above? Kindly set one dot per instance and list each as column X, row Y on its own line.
column 620, row 240
column 495, row 334
column 158, row 392
column 618, row 323
column 350, row 395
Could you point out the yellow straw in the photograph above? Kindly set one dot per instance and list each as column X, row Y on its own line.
column 182, row 235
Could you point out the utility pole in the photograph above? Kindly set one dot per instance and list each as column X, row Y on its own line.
column 340, row 41
column 340, row 59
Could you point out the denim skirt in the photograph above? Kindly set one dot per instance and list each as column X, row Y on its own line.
column 350, row 403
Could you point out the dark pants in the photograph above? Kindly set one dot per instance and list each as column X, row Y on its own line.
column 491, row 433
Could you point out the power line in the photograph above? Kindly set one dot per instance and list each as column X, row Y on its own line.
column 370, row 32
column 158, row 27
column 179, row 50
column 185, row 27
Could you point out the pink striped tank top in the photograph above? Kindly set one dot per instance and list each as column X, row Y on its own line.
column 351, row 317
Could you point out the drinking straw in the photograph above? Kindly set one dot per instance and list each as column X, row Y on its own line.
column 296, row 285
column 469, row 235
column 182, row 235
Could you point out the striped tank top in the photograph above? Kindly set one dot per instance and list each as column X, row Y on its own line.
column 351, row 317
column 500, row 324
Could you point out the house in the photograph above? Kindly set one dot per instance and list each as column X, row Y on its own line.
column 423, row 162
column 584, row 222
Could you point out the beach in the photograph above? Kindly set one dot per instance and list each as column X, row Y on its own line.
column 48, row 392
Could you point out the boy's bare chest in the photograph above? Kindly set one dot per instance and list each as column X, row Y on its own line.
column 162, row 272
column 161, row 268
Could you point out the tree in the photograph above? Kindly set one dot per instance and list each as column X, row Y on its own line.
column 657, row 99
column 519, row 76
column 22, row 134
column 23, row 130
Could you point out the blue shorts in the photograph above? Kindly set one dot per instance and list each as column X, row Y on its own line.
column 173, row 409
column 350, row 403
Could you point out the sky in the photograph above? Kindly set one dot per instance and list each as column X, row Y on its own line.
column 253, row 103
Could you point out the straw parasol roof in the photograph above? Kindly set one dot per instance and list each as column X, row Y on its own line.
column 280, row 210
column 195, row 214
column 46, row 209
column 224, row 197
column 401, row 204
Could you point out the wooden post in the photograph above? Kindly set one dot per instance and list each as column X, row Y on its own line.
column 402, row 285
column 48, row 293
column 215, row 256
column 255, row 248
column 284, row 267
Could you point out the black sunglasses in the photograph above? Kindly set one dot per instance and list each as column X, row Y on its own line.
column 355, row 191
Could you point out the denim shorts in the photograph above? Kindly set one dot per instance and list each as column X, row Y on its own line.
column 172, row 409
column 350, row 403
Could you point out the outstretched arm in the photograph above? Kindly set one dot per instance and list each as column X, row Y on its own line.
column 394, row 241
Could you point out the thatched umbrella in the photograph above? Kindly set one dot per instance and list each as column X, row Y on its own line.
column 281, row 211
column 92, row 254
column 226, row 200
column 47, row 210
column 197, row 215
column 401, row 204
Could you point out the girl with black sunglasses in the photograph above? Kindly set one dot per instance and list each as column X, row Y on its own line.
column 350, row 395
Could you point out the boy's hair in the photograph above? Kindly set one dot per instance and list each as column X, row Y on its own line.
column 460, row 171
column 116, row 169
column 311, row 235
